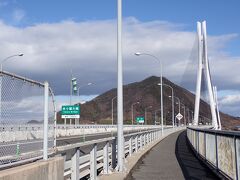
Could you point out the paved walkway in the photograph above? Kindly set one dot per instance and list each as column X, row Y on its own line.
column 173, row 159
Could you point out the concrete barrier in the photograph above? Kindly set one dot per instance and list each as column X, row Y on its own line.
column 16, row 135
column 51, row 169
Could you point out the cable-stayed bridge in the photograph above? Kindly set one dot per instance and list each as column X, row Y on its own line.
column 44, row 149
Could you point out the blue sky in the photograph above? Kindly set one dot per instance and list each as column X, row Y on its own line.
column 57, row 35
column 221, row 15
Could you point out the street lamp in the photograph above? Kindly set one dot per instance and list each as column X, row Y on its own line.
column 112, row 107
column 146, row 113
column 132, row 110
column 184, row 113
column 7, row 58
column 177, row 103
column 120, row 138
column 88, row 84
column 172, row 102
column 161, row 82
column 1, row 68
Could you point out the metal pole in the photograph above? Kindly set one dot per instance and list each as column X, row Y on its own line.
column 79, row 94
column 155, row 117
column 1, row 81
column 45, row 125
column 112, row 108
column 146, row 114
column 132, row 114
column 120, row 137
column 184, row 114
column 172, row 102
column 173, row 109
column 71, row 88
column 132, row 110
column 161, row 99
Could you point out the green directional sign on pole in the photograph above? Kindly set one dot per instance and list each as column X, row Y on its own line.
column 140, row 119
column 70, row 111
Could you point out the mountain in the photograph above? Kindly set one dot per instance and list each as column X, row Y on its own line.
column 147, row 92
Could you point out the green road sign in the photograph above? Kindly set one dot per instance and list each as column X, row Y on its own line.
column 140, row 119
column 70, row 111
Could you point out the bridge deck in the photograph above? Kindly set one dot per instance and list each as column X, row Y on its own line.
column 172, row 158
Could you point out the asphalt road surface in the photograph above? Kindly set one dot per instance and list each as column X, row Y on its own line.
column 172, row 158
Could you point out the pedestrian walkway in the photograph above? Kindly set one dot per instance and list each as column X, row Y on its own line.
column 173, row 159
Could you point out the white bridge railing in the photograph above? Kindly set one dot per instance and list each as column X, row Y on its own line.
column 34, row 127
column 101, row 156
column 218, row 149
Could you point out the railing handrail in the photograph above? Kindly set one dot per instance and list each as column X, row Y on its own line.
column 217, row 149
column 218, row 132
column 60, row 149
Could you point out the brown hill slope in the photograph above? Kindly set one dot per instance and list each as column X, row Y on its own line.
column 147, row 92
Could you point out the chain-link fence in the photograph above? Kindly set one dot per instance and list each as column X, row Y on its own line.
column 22, row 119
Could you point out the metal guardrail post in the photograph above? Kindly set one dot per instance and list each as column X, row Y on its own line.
column 197, row 142
column 144, row 139
column 205, row 144
column 141, row 141
column 93, row 163
column 136, row 143
column 106, row 158
column 150, row 140
column 216, row 146
column 236, row 159
column 147, row 138
column 114, row 154
column 45, row 125
column 130, row 146
column 75, row 164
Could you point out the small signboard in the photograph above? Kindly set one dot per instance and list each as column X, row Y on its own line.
column 179, row 116
column 140, row 119
column 70, row 111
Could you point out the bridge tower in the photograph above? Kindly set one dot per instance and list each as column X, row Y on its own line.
column 203, row 63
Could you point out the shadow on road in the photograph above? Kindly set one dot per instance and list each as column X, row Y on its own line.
column 192, row 168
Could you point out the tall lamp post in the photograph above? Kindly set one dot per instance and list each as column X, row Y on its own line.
column 132, row 110
column 112, row 107
column 172, row 102
column 120, row 138
column 88, row 84
column 161, row 82
column 1, row 68
column 146, row 113
column 78, row 92
column 179, row 104
column 7, row 58
column 184, row 113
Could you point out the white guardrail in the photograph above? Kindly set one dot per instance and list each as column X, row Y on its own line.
column 102, row 153
column 218, row 149
column 33, row 127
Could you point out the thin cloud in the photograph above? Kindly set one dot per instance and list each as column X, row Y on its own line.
column 18, row 15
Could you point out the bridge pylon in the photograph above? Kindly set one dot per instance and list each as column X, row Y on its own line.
column 203, row 64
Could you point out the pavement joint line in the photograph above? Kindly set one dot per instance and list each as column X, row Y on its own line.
column 133, row 160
